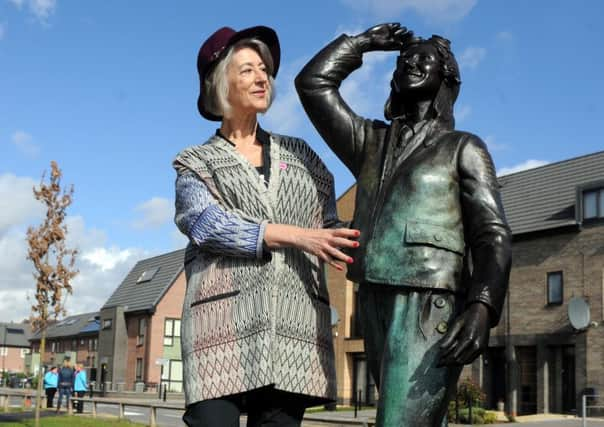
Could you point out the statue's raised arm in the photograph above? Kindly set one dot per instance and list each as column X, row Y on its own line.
column 318, row 87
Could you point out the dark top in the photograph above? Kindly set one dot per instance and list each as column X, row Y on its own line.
column 66, row 377
column 264, row 139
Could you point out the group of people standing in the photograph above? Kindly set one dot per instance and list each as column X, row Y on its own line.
column 68, row 380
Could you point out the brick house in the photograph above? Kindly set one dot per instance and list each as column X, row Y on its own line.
column 14, row 346
column 139, row 339
column 536, row 361
column 75, row 337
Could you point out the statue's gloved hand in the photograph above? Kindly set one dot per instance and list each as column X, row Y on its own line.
column 383, row 37
column 468, row 337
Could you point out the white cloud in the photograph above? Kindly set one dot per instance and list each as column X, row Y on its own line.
column 471, row 57
column 41, row 9
column 106, row 258
column 367, row 89
column 431, row 10
column 102, row 267
column 462, row 112
column 17, row 3
column 23, row 141
column 529, row 164
column 505, row 36
column 155, row 212
column 17, row 202
column 493, row 145
column 178, row 239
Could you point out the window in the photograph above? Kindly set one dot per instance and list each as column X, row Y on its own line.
column 92, row 344
column 554, row 288
column 53, row 347
column 107, row 324
column 139, row 369
column 3, row 351
column 593, row 204
column 24, row 352
column 171, row 331
column 142, row 330
column 172, row 376
column 147, row 275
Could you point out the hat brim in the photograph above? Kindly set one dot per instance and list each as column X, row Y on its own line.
column 266, row 35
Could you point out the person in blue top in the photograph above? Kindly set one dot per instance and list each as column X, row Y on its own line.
column 66, row 379
column 80, row 385
column 51, row 381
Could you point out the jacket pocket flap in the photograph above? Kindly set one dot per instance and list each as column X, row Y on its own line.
column 435, row 235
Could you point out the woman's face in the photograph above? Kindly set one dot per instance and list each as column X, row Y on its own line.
column 249, row 88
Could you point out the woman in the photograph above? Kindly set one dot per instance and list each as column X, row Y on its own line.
column 80, row 386
column 256, row 334
column 66, row 377
column 51, row 381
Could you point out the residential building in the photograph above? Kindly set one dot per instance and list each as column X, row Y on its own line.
column 14, row 346
column 537, row 362
column 74, row 337
column 139, row 340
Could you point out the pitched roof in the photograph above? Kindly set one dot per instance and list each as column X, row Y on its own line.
column 78, row 324
column 545, row 197
column 147, row 282
column 17, row 334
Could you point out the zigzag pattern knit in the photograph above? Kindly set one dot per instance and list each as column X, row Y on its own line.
column 249, row 323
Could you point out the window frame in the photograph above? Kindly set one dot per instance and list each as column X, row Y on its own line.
column 141, row 331
column 598, row 188
column 175, row 331
column 548, row 284
column 140, row 366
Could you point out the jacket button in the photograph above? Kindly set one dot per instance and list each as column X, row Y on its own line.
column 442, row 327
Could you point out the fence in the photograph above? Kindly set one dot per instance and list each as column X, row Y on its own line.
column 586, row 399
column 28, row 397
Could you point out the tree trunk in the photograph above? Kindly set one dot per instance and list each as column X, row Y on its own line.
column 39, row 398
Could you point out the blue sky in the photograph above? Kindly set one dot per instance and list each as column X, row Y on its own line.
column 108, row 90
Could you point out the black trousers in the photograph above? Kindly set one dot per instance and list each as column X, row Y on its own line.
column 79, row 405
column 50, row 395
column 265, row 407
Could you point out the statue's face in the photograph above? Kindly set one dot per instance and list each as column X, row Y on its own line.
column 418, row 71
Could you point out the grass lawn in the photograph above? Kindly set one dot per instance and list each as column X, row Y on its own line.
column 73, row 422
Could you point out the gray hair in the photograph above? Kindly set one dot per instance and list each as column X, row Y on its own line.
column 216, row 82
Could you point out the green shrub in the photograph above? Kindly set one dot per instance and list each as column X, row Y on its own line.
column 490, row 417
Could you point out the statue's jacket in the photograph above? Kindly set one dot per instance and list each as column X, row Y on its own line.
column 248, row 323
column 427, row 199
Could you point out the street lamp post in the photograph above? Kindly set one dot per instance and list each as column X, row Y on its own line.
column 4, row 351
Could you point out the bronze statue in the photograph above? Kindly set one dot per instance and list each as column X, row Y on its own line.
column 435, row 249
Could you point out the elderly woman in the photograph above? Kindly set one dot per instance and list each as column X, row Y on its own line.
column 256, row 207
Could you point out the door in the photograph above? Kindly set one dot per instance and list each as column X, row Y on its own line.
column 527, row 364
column 569, row 400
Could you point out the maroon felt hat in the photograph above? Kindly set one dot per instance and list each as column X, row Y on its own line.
column 217, row 43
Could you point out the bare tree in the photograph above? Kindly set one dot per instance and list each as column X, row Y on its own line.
column 53, row 262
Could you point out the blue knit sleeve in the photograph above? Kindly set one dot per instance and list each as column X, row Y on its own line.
column 212, row 228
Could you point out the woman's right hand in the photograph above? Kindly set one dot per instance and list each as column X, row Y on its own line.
column 325, row 243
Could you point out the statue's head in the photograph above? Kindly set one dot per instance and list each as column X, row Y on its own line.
column 426, row 70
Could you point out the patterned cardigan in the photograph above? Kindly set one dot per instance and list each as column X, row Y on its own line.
column 249, row 320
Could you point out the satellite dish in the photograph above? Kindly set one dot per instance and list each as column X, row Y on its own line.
column 335, row 318
column 578, row 313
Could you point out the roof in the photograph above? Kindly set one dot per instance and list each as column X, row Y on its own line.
column 78, row 324
column 147, row 282
column 545, row 197
column 17, row 334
